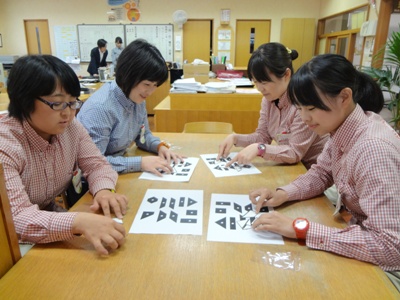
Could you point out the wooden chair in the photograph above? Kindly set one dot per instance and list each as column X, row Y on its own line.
column 208, row 127
column 9, row 247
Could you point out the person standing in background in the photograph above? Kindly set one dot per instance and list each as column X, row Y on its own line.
column 115, row 52
column 98, row 57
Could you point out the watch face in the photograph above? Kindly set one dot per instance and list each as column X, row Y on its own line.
column 301, row 224
column 261, row 147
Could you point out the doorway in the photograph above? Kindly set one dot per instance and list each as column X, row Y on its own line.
column 250, row 34
column 197, row 40
column 37, row 36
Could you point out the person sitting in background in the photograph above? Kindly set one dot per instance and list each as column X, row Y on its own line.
column 115, row 115
column 270, row 68
column 361, row 157
column 115, row 52
column 98, row 57
column 42, row 147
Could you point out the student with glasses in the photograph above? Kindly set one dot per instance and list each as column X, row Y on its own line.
column 43, row 148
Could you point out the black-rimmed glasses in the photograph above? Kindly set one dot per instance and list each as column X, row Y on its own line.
column 62, row 105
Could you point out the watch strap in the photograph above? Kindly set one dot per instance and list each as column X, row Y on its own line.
column 261, row 149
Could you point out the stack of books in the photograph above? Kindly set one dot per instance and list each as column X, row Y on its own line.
column 187, row 85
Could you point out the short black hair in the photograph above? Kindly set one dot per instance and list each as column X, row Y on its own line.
column 118, row 40
column 101, row 43
column 329, row 74
column 34, row 76
column 140, row 61
column 270, row 58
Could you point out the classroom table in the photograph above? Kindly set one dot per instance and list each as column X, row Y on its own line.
column 155, row 266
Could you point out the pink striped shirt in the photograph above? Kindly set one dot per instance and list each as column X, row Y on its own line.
column 363, row 159
column 36, row 171
column 295, row 141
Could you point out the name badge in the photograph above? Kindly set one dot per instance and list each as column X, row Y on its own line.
column 142, row 131
column 338, row 204
column 77, row 181
column 283, row 137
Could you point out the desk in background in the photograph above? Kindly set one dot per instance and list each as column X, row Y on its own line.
column 240, row 109
column 154, row 99
column 4, row 101
column 151, row 266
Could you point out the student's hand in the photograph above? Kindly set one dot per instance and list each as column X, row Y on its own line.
column 104, row 233
column 107, row 200
column 275, row 222
column 265, row 197
column 168, row 155
column 226, row 145
column 155, row 165
column 245, row 156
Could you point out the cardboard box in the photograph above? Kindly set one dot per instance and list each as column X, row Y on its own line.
column 202, row 69
column 218, row 67
column 198, row 72
column 200, row 78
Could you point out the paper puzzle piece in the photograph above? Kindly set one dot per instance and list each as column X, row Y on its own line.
column 191, row 202
column 146, row 214
column 161, row 216
column 163, row 202
column 190, row 221
column 173, row 216
column 222, row 222
column 152, row 199
column 172, row 203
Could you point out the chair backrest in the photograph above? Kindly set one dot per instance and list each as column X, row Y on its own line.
column 208, row 127
column 9, row 247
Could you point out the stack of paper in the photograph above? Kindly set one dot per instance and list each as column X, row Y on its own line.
column 187, row 85
column 244, row 82
column 220, row 87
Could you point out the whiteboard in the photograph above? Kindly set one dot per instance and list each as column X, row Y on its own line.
column 160, row 35
column 88, row 35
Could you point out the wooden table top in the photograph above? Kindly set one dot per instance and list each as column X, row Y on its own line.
column 151, row 266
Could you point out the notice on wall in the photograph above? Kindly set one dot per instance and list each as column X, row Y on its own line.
column 66, row 41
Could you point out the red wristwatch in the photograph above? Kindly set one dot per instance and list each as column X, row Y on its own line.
column 261, row 149
column 301, row 226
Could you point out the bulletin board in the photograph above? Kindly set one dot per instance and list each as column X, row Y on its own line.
column 66, row 41
column 89, row 34
column 225, row 39
column 160, row 35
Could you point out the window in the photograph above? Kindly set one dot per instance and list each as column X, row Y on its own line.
column 338, row 34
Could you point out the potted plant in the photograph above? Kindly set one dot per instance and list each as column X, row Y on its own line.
column 388, row 77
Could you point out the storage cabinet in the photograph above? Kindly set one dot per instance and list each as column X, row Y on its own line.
column 299, row 34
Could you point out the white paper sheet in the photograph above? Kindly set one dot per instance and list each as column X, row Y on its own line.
column 230, row 220
column 170, row 212
column 181, row 172
column 219, row 170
